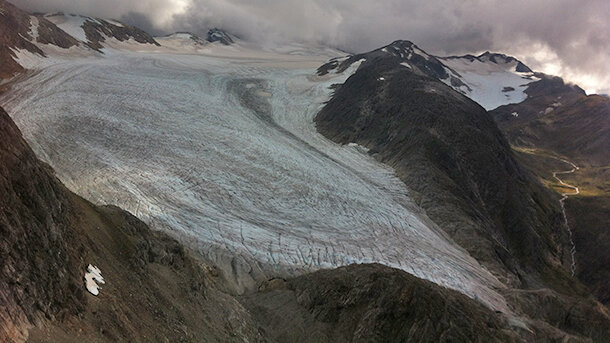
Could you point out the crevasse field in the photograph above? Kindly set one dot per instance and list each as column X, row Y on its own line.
column 220, row 150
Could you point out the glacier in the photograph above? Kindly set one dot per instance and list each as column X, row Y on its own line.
column 219, row 149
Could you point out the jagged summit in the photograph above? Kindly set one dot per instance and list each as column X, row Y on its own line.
column 218, row 35
column 400, row 53
column 494, row 57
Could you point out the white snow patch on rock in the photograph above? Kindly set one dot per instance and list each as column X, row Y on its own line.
column 114, row 22
column 71, row 24
column 93, row 278
column 358, row 147
column 34, row 27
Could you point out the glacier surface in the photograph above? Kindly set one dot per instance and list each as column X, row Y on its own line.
column 220, row 150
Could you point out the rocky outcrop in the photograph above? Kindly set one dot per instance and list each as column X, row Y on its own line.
column 41, row 252
column 371, row 303
column 17, row 33
column 49, row 33
column 218, row 35
column 98, row 30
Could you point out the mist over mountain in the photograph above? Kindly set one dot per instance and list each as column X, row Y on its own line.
column 564, row 38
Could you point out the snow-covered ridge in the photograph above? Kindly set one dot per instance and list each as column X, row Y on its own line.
column 492, row 80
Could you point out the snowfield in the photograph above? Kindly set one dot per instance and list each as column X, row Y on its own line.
column 489, row 84
column 220, row 150
column 71, row 24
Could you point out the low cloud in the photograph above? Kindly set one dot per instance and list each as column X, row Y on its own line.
column 564, row 37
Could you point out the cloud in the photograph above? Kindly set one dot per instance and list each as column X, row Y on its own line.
column 565, row 37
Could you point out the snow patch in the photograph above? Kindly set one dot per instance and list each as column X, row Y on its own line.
column 71, row 24
column 34, row 27
column 93, row 278
column 491, row 84
column 352, row 68
column 515, row 114
column 420, row 52
column 114, row 22
column 358, row 147
column 27, row 59
column 405, row 64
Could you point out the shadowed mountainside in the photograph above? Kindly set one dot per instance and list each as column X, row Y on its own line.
column 449, row 151
column 560, row 120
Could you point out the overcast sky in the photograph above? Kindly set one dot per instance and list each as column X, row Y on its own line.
column 570, row 38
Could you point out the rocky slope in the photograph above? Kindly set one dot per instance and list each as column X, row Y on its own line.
column 154, row 289
column 22, row 31
column 560, row 118
column 450, row 152
column 94, row 32
column 14, row 34
column 560, row 122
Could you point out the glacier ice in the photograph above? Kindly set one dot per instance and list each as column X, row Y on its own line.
column 221, row 151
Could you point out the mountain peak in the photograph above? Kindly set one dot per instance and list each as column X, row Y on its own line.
column 499, row 58
column 218, row 35
column 188, row 36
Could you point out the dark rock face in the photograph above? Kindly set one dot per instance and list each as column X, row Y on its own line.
column 97, row 31
column 49, row 33
column 501, row 58
column 450, row 152
column 40, row 251
column 218, row 35
column 372, row 303
column 590, row 220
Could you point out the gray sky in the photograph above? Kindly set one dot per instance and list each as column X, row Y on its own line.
column 569, row 38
